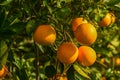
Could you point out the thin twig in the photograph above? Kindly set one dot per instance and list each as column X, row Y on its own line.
column 57, row 62
column 101, row 64
column 37, row 63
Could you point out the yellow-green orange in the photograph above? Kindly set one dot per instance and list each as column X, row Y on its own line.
column 44, row 35
column 86, row 56
column 67, row 53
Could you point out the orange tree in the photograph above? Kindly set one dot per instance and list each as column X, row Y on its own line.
column 28, row 60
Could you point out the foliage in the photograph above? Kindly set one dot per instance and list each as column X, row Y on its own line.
column 27, row 60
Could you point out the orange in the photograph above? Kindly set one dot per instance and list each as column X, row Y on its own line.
column 44, row 35
column 102, row 60
column 107, row 20
column 61, row 77
column 77, row 21
column 86, row 56
column 86, row 34
column 103, row 78
column 2, row 72
column 117, row 61
column 67, row 53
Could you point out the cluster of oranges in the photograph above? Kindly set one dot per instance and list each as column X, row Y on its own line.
column 85, row 33
column 68, row 52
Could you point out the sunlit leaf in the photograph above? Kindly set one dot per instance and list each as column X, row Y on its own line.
column 3, row 59
column 80, row 71
column 3, row 52
column 113, row 2
column 49, row 7
column 6, row 2
column 118, row 5
column 3, row 48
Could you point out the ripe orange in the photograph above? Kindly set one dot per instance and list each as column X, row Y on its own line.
column 67, row 53
column 86, row 34
column 86, row 56
column 107, row 20
column 44, row 35
column 103, row 78
column 117, row 61
column 2, row 72
column 77, row 21
column 61, row 77
column 102, row 60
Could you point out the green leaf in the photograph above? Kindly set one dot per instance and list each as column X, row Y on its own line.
column 113, row 2
column 3, row 48
column 80, row 71
column 14, row 21
column 3, row 52
column 115, row 41
column 17, row 27
column 22, row 74
column 101, row 50
column 2, row 17
column 1, row 66
column 49, row 7
column 29, row 56
column 3, row 59
column 29, row 26
column 79, row 77
column 118, row 6
column 50, row 71
column 70, row 73
column 27, row 9
column 67, row 1
column 17, row 62
column 6, row 2
column 63, row 13
column 44, row 58
column 6, row 34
